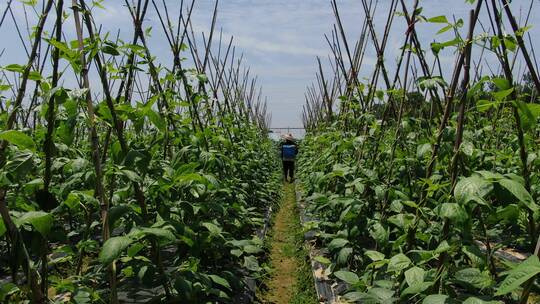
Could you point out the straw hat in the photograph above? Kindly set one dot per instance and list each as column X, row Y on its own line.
column 288, row 137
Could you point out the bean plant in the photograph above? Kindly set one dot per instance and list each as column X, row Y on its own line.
column 424, row 189
column 124, row 176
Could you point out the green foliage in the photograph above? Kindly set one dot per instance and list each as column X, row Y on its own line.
column 519, row 275
column 187, row 178
column 18, row 139
column 409, row 238
column 112, row 248
column 347, row 276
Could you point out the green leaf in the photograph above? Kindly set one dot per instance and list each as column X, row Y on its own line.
column 474, row 254
column 521, row 31
column 41, row 221
column 20, row 165
column 134, row 249
column 384, row 295
column 436, row 299
column 436, row 47
column 374, row 255
column 72, row 201
column 416, row 288
column 18, row 139
column 501, row 95
column 484, row 105
column 444, row 29
column 423, row 150
column 117, row 212
column 431, row 82
column 159, row 233
column 438, row 19
column 509, row 214
column 474, row 277
column 357, row 296
column 414, row 275
column 519, row 191
column 529, row 113
column 63, row 47
column 148, row 31
column 220, row 281
column 7, row 289
column 443, row 247
column 511, row 43
column 490, row 176
column 134, row 48
column 30, row 2
column 112, row 249
column 453, row 212
column 252, row 249
column 202, row 78
column 213, row 228
column 467, row 148
column 2, row 228
column 156, row 119
column 344, row 255
column 337, row 244
column 322, row 260
column 472, row 188
column 379, row 233
column 347, row 276
column 108, row 49
column 373, row 296
column 402, row 220
column 131, row 175
column 15, row 68
column 495, row 42
column 251, row 263
column 398, row 263
column 501, row 83
column 519, row 275
column 474, row 300
column 477, row 89
column 35, row 76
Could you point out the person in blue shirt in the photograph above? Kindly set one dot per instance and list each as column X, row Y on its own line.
column 289, row 150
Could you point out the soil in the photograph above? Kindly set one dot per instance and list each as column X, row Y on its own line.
column 282, row 283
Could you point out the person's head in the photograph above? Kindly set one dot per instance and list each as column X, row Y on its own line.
column 288, row 138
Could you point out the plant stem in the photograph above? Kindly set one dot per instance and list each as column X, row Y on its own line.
column 96, row 155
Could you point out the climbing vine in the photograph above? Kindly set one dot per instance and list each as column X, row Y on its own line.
column 426, row 190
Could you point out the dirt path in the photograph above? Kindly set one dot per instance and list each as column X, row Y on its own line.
column 283, row 284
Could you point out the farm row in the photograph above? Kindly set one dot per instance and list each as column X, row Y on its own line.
column 122, row 178
column 423, row 184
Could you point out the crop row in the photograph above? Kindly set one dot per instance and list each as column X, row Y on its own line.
column 424, row 188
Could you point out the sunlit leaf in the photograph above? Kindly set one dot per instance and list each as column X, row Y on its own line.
column 347, row 276
column 519, row 275
column 19, row 139
column 113, row 248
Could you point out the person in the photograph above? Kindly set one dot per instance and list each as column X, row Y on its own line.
column 289, row 150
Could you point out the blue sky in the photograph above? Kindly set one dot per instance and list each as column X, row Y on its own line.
column 279, row 38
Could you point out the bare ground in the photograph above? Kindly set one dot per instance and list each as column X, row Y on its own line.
column 282, row 284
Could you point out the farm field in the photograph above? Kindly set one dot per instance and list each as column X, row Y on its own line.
column 144, row 165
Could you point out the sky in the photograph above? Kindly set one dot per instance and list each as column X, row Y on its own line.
column 280, row 39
